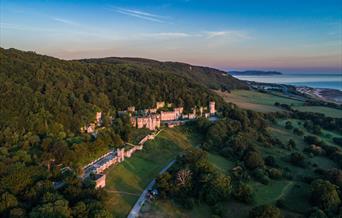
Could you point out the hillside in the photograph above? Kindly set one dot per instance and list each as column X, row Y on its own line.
column 206, row 76
column 42, row 94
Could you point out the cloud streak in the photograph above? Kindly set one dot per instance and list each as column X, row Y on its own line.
column 141, row 15
column 65, row 21
column 167, row 35
column 231, row 34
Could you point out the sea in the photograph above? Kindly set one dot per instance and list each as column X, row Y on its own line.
column 331, row 81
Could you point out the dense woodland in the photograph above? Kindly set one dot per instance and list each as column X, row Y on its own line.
column 44, row 102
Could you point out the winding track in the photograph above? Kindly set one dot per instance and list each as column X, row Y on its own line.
column 140, row 202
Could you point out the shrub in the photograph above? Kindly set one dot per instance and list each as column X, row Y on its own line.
column 270, row 161
column 275, row 173
column 265, row 211
column 310, row 139
column 288, row 125
column 244, row 193
column 259, row 175
column 253, row 159
column 297, row 159
column 324, row 195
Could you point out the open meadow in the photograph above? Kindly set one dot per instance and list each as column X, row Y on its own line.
column 256, row 101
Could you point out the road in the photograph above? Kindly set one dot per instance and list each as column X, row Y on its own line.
column 140, row 202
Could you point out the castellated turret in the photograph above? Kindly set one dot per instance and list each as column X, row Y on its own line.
column 212, row 109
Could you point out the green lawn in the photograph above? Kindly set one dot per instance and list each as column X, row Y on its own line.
column 327, row 111
column 167, row 208
column 257, row 101
column 266, row 194
column 220, row 162
column 126, row 181
column 296, row 197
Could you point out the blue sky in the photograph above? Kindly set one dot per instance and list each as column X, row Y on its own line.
column 290, row 36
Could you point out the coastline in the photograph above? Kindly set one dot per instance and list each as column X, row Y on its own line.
column 325, row 94
column 325, row 87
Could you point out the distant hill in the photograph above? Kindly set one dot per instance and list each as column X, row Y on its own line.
column 206, row 76
column 254, row 73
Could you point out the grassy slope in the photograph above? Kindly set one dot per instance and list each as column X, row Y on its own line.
column 330, row 112
column 257, row 101
column 293, row 193
column 126, row 181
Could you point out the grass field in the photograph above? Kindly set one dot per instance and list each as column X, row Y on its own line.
column 326, row 135
column 126, row 181
column 266, row 194
column 167, row 208
column 257, row 101
column 329, row 112
column 220, row 162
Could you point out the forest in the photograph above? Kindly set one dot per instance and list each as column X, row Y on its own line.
column 44, row 103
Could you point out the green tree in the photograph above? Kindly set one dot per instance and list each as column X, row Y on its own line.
column 325, row 195
column 7, row 201
column 253, row 160
column 265, row 211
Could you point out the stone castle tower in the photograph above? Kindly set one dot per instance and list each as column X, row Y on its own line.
column 212, row 109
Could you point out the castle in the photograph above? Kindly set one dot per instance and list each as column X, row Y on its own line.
column 90, row 128
column 96, row 168
column 152, row 120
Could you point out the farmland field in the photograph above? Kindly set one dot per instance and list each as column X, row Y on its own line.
column 257, row 101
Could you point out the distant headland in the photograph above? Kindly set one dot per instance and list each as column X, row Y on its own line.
column 254, row 73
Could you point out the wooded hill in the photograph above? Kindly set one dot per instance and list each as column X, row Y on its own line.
column 45, row 95
column 206, row 76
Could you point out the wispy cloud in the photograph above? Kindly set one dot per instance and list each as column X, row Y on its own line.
column 65, row 21
column 24, row 27
column 141, row 15
column 167, row 35
column 231, row 34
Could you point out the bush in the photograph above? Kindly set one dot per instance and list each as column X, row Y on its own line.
column 298, row 132
column 291, row 144
column 244, row 193
column 288, row 125
column 259, row 175
column 265, row 211
column 253, row 159
column 297, row 159
column 270, row 161
column 324, row 195
column 310, row 139
column 274, row 173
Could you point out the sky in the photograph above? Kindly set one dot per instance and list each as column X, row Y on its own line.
column 289, row 36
